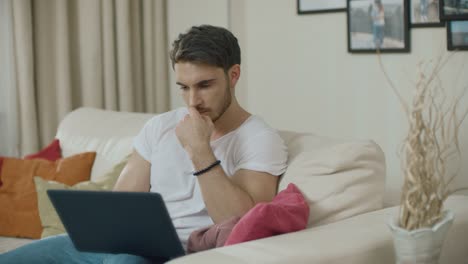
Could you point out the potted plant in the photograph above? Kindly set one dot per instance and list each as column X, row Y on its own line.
column 429, row 147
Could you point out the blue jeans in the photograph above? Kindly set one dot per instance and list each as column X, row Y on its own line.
column 378, row 32
column 60, row 249
column 423, row 6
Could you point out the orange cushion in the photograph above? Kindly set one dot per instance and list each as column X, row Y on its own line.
column 52, row 152
column 19, row 215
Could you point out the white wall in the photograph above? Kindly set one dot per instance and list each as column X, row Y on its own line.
column 299, row 76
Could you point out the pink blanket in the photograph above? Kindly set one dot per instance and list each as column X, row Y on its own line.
column 288, row 212
column 211, row 237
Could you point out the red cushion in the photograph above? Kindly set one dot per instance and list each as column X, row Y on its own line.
column 288, row 212
column 52, row 152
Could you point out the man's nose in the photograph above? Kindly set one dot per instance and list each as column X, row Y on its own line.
column 194, row 98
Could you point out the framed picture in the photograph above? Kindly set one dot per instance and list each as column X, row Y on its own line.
column 457, row 35
column 425, row 13
column 378, row 25
column 453, row 9
column 320, row 6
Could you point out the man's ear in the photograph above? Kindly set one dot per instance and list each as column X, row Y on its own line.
column 234, row 74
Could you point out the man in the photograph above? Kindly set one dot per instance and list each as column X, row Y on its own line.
column 210, row 161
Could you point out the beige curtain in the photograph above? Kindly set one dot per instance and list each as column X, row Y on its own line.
column 109, row 54
column 8, row 124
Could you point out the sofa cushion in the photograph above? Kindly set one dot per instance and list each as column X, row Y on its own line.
column 109, row 133
column 52, row 152
column 339, row 178
column 10, row 243
column 18, row 200
column 49, row 218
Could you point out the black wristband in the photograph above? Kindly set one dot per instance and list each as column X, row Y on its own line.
column 214, row 164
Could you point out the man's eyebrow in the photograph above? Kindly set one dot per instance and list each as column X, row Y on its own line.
column 198, row 83
column 206, row 81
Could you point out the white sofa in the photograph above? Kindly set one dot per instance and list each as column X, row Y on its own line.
column 343, row 181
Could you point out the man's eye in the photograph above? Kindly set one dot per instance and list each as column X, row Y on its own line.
column 204, row 85
column 183, row 88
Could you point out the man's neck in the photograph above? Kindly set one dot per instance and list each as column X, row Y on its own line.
column 232, row 118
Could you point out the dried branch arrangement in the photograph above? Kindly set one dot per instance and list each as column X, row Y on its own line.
column 431, row 143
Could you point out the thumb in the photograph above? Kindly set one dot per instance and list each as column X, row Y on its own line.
column 193, row 112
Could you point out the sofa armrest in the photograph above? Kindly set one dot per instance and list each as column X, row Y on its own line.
column 361, row 239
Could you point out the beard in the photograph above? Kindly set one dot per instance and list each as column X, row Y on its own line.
column 226, row 103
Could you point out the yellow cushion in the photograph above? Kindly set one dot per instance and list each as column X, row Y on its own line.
column 50, row 220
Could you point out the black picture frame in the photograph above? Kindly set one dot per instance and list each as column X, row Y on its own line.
column 365, row 35
column 453, row 10
column 457, row 35
column 320, row 6
column 431, row 8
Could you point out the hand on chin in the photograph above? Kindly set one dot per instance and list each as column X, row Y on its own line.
column 194, row 131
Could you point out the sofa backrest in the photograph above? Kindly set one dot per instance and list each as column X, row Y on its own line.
column 109, row 133
column 340, row 178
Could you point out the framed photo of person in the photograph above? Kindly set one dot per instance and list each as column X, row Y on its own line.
column 320, row 6
column 425, row 13
column 377, row 25
column 457, row 35
column 454, row 9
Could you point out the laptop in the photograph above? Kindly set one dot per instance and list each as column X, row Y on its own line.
column 118, row 222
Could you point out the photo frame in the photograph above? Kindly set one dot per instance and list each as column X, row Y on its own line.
column 425, row 13
column 457, row 35
column 453, row 10
column 320, row 6
column 378, row 25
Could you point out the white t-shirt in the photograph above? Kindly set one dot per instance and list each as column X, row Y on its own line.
column 253, row 146
column 378, row 16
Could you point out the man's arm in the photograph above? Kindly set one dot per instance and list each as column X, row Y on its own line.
column 224, row 197
column 227, row 197
column 135, row 177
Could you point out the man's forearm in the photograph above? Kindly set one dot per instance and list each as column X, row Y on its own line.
column 135, row 176
column 223, row 198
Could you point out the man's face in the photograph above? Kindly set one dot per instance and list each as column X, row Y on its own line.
column 204, row 87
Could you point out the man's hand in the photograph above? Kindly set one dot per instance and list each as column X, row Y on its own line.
column 194, row 132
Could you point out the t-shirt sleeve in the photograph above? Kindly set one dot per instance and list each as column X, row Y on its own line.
column 265, row 152
column 147, row 138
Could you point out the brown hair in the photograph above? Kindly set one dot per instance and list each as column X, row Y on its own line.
column 206, row 44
